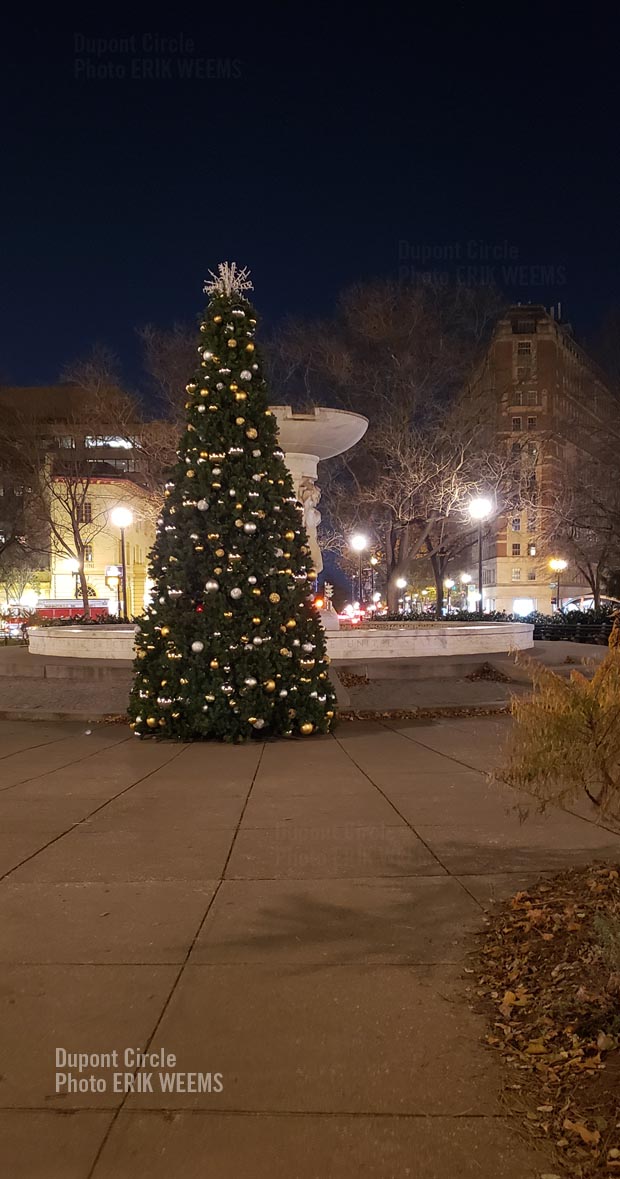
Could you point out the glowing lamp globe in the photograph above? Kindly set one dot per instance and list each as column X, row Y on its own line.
column 121, row 517
column 480, row 508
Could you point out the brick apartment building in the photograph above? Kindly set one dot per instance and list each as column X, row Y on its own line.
column 551, row 402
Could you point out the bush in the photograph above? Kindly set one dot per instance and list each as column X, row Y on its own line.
column 566, row 738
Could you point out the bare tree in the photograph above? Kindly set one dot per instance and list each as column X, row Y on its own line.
column 580, row 520
column 169, row 359
column 411, row 359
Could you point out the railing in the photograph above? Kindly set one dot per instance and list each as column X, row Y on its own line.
column 576, row 632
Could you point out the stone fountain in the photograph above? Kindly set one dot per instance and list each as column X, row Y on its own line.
column 306, row 438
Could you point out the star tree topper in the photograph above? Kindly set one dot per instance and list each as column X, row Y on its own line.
column 228, row 280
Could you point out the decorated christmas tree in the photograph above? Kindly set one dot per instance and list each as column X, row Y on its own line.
column 231, row 646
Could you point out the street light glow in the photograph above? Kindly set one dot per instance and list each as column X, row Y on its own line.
column 558, row 564
column 121, row 517
column 449, row 583
column 359, row 542
column 480, row 508
column 401, row 582
column 374, row 560
column 465, row 578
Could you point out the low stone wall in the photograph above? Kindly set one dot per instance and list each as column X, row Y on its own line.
column 430, row 638
column 83, row 642
column 393, row 642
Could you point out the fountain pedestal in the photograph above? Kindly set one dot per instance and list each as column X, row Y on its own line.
column 306, row 438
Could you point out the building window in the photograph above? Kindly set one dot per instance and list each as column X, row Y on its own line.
column 66, row 441
column 531, row 550
column 516, row 574
column 532, row 451
column 517, row 397
column 531, row 521
column 533, row 397
column 531, row 574
column 515, row 449
column 524, row 347
column 531, row 423
column 488, row 576
column 85, row 513
column 88, row 554
column 516, row 425
column 516, row 550
column 516, row 524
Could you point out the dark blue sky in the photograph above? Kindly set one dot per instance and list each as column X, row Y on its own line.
column 335, row 139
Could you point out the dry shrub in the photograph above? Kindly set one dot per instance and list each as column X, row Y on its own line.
column 566, row 738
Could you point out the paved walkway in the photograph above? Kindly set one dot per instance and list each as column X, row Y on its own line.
column 294, row 917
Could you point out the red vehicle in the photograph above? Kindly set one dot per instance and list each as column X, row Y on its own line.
column 71, row 608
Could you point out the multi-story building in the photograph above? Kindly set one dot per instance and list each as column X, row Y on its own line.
column 550, row 402
column 87, row 471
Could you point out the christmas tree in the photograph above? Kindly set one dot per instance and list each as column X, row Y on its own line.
column 231, row 646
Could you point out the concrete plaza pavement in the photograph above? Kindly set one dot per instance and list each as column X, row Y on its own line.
column 293, row 916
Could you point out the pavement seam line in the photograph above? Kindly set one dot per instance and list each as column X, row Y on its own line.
column 486, row 774
column 393, row 806
column 85, row 818
column 452, row 875
column 75, row 762
column 120, row 1108
column 28, row 748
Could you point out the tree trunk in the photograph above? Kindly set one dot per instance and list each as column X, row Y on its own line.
column 84, row 590
column 438, row 566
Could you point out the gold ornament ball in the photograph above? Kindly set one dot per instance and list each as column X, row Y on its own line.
column 190, row 474
column 141, row 654
column 217, row 319
column 214, row 664
column 161, row 722
column 151, row 722
column 284, row 651
column 256, row 592
column 249, row 347
column 274, row 598
column 219, row 552
column 228, row 614
column 213, row 408
column 204, row 453
column 238, row 523
column 252, row 433
column 132, row 724
column 165, row 630
column 291, row 624
column 240, row 395
column 175, row 714
column 251, row 720
column 306, row 728
column 270, row 685
column 232, row 343
column 289, row 535
column 330, row 713
column 256, row 621
column 239, row 421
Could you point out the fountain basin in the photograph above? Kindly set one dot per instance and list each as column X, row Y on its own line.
column 408, row 642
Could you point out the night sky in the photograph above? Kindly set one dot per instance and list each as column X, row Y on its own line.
column 332, row 141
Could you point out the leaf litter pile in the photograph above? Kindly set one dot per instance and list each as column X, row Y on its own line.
column 549, row 976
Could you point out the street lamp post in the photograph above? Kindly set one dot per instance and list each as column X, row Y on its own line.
column 401, row 584
column 122, row 518
column 374, row 561
column 480, row 509
column 465, row 580
column 558, row 564
column 359, row 542
column 449, row 584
